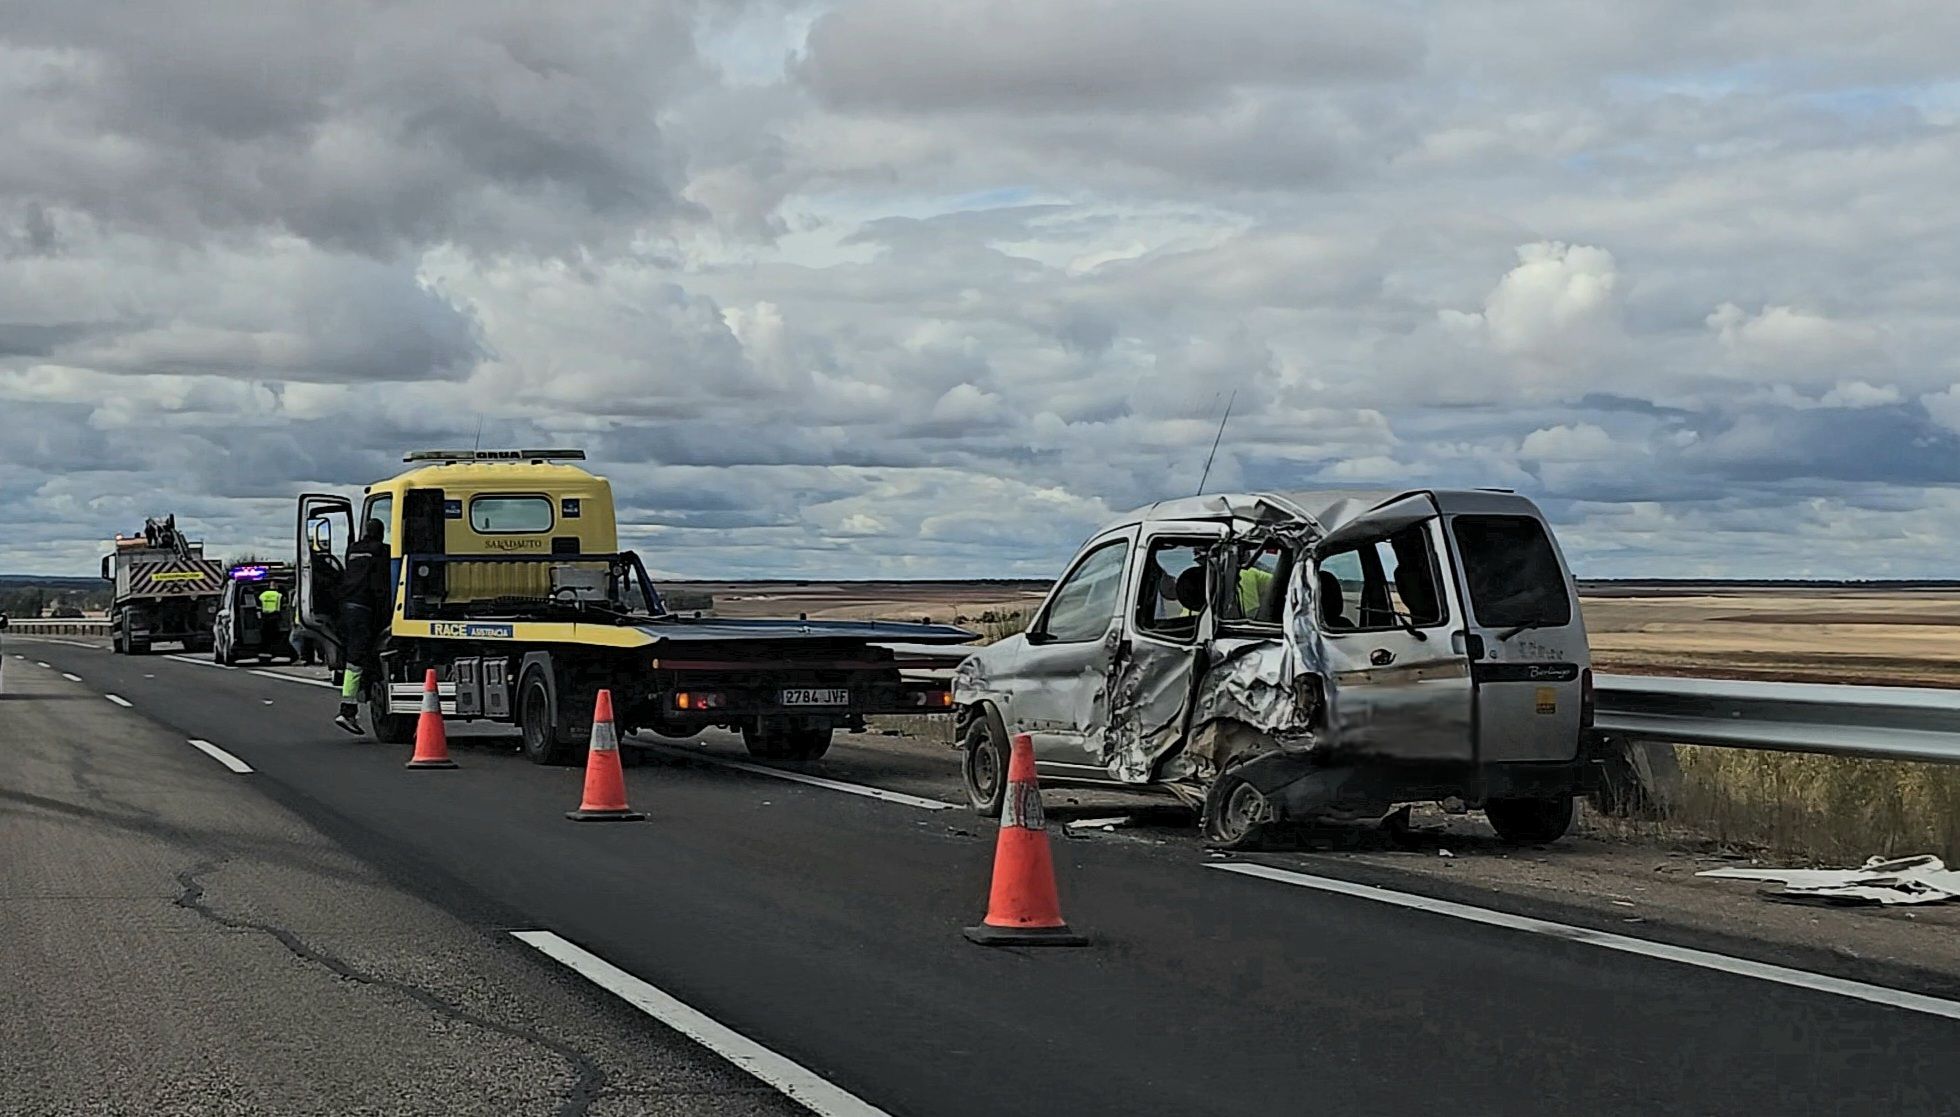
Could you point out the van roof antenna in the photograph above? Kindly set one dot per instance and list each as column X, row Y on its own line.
column 1215, row 439
column 479, row 435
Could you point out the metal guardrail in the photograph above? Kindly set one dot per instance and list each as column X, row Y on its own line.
column 1873, row 722
column 70, row 626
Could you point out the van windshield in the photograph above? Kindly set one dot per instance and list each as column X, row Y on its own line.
column 1513, row 573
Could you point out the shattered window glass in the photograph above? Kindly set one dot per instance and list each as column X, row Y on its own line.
column 1513, row 572
column 1085, row 604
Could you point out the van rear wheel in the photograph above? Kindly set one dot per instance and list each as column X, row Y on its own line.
column 1530, row 821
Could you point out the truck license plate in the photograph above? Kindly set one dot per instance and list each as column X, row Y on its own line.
column 799, row 696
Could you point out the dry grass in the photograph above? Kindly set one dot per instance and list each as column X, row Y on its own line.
column 995, row 627
column 1822, row 809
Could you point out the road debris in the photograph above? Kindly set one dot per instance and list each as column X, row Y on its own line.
column 1105, row 824
column 1924, row 879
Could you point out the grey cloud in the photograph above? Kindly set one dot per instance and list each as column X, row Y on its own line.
column 368, row 129
column 920, row 56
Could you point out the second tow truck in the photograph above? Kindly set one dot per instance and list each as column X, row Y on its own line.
column 507, row 579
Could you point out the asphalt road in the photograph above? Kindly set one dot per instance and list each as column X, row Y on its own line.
column 827, row 926
column 173, row 942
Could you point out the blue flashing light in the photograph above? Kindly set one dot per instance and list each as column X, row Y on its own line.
column 248, row 573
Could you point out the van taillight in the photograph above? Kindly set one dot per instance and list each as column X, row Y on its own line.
column 1586, row 704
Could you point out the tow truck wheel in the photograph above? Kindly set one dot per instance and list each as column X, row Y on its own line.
column 770, row 743
column 389, row 729
column 809, row 742
column 544, row 735
column 983, row 765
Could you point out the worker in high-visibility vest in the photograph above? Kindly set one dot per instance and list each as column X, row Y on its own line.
column 272, row 623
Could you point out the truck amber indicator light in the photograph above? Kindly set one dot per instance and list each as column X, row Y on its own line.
column 699, row 700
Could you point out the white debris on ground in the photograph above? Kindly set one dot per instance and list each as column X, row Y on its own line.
column 1924, row 879
column 1099, row 823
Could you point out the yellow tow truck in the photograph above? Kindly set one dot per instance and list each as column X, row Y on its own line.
column 507, row 578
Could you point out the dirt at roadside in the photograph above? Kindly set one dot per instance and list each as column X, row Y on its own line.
column 1634, row 883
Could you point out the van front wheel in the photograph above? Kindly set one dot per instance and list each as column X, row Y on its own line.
column 1530, row 821
column 983, row 765
column 1237, row 814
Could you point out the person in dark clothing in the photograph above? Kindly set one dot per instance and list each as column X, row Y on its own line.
column 364, row 586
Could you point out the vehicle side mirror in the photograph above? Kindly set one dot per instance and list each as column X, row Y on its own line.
column 1035, row 636
column 3, row 622
column 105, row 568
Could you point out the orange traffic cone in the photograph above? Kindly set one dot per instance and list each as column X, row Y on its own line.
column 605, row 784
column 431, row 742
column 1023, row 909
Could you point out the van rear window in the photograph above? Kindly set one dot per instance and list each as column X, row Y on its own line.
column 1513, row 572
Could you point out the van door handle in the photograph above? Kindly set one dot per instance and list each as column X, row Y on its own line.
column 1381, row 657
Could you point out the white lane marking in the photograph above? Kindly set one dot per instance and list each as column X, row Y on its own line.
column 202, row 662
column 294, row 679
column 796, row 1082
column 71, row 678
column 38, row 663
column 221, row 756
column 813, row 781
column 1802, row 979
column 58, row 640
column 120, row 701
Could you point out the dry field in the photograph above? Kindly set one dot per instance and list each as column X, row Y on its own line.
column 1892, row 638
column 970, row 604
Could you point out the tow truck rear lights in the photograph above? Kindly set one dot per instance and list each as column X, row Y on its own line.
column 933, row 699
column 700, row 700
column 1588, row 704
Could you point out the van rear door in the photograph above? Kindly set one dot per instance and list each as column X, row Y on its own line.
column 1523, row 611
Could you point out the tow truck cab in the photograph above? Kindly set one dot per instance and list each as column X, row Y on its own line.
column 506, row 577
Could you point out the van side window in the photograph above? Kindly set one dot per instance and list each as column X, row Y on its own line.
column 1378, row 584
column 1172, row 574
column 1086, row 602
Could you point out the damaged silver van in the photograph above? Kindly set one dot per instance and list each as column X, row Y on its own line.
column 1276, row 657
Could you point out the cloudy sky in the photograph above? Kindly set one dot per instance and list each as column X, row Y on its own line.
column 931, row 287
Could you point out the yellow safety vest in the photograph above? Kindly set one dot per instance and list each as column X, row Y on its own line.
column 270, row 601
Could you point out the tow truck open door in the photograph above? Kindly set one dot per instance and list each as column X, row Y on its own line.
column 325, row 528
